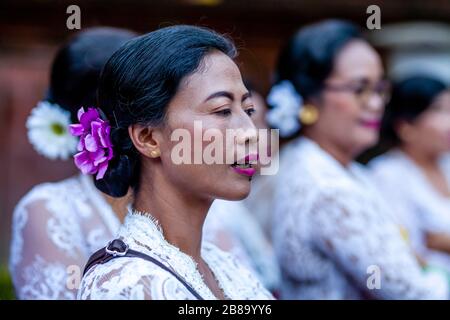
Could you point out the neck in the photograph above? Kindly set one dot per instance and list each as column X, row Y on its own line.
column 119, row 205
column 423, row 159
column 343, row 156
column 180, row 215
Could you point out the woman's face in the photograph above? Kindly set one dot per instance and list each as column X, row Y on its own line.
column 215, row 98
column 430, row 131
column 350, row 110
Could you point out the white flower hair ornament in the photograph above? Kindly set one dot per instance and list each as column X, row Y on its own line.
column 286, row 105
column 48, row 131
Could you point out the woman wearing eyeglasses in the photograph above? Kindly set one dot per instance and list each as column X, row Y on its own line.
column 334, row 236
column 413, row 174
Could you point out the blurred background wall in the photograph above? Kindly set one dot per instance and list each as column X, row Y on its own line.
column 30, row 32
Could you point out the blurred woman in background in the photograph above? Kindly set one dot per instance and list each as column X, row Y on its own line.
column 413, row 175
column 57, row 226
column 334, row 236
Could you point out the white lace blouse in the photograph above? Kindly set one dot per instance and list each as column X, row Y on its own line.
column 56, row 227
column 251, row 245
column 418, row 206
column 334, row 236
column 136, row 278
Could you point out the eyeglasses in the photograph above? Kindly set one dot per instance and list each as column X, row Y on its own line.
column 364, row 90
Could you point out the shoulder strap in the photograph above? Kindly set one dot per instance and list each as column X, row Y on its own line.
column 117, row 248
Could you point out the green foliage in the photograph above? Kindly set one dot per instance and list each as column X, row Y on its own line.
column 6, row 287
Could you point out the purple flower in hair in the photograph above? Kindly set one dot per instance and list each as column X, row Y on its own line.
column 95, row 147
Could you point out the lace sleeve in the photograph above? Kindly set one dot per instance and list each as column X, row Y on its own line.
column 46, row 252
column 362, row 240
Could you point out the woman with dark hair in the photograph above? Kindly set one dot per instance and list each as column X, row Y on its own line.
column 413, row 175
column 156, row 84
column 333, row 234
column 57, row 226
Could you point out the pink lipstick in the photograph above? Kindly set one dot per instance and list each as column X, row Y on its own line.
column 245, row 166
column 249, row 172
column 371, row 124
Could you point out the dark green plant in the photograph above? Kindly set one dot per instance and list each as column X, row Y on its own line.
column 6, row 286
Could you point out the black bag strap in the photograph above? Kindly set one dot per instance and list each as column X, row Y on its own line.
column 117, row 248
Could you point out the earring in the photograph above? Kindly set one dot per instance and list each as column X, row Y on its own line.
column 308, row 115
column 155, row 153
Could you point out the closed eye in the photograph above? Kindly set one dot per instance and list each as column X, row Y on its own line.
column 250, row 111
column 223, row 112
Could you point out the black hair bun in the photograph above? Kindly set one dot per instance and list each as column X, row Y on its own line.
column 309, row 56
column 117, row 179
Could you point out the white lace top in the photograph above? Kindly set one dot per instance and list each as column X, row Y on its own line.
column 260, row 201
column 251, row 247
column 56, row 227
column 334, row 236
column 136, row 278
column 419, row 207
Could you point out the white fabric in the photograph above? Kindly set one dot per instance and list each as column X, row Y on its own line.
column 251, row 245
column 260, row 202
column 57, row 226
column 418, row 206
column 331, row 227
column 135, row 278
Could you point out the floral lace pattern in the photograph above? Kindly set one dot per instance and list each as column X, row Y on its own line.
column 134, row 278
column 331, row 227
column 252, row 247
column 57, row 226
column 418, row 206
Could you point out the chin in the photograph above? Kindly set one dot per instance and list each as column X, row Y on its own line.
column 367, row 140
column 236, row 191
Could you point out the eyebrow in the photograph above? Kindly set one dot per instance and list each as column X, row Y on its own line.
column 365, row 79
column 228, row 95
column 359, row 79
column 246, row 95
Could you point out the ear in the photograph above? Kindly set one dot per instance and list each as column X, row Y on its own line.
column 147, row 140
column 405, row 130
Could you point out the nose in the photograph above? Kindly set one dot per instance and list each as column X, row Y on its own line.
column 247, row 136
column 247, row 132
column 376, row 103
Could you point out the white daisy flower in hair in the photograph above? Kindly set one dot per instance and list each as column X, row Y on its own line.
column 48, row 131
column 286, row 104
